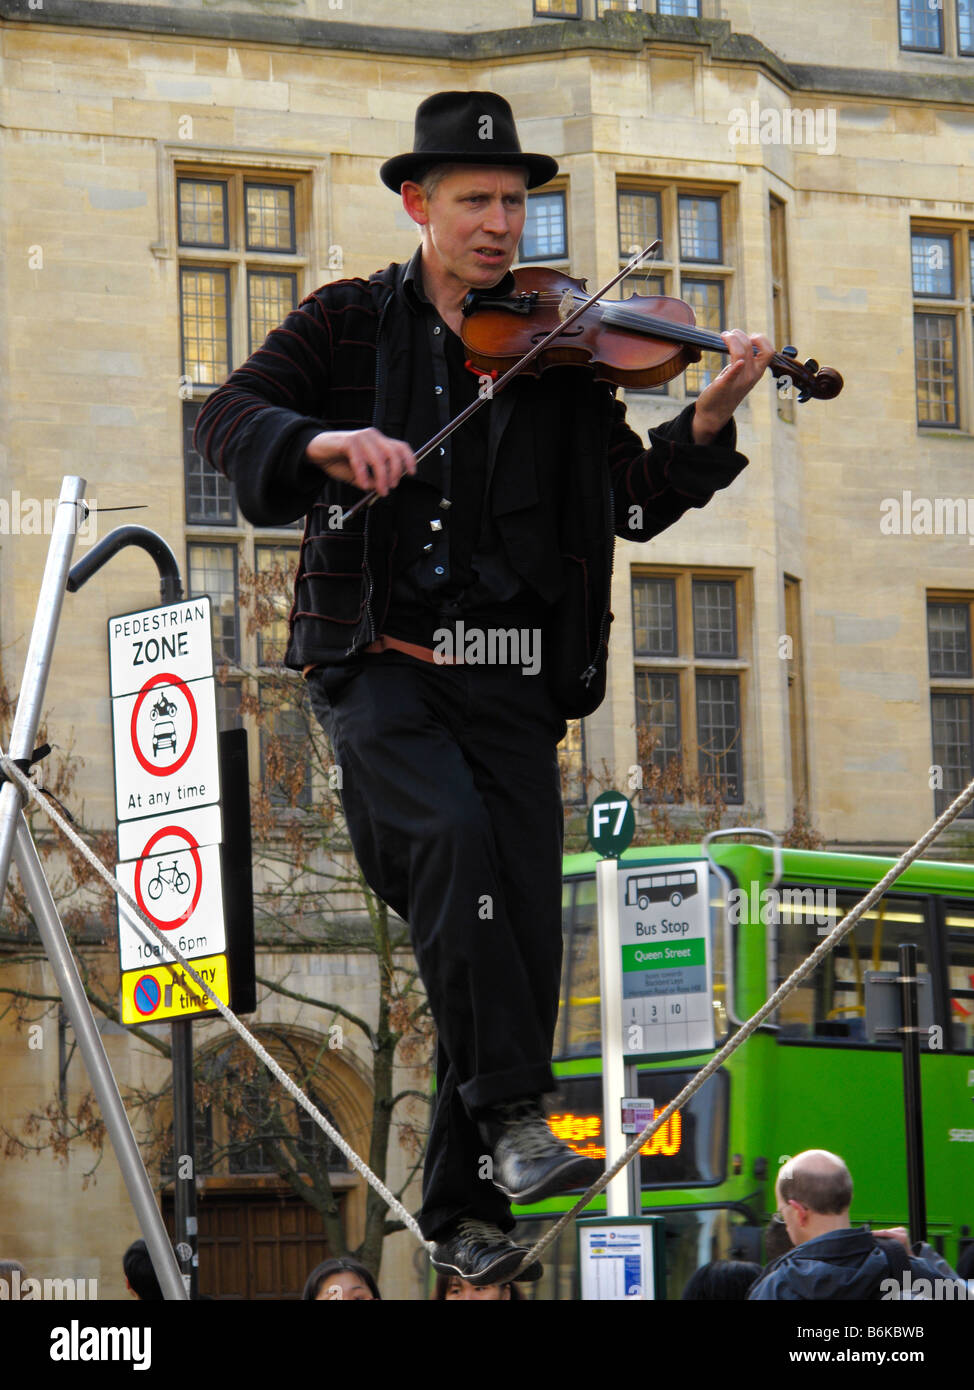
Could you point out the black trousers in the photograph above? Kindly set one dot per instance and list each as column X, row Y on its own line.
column 452, row 795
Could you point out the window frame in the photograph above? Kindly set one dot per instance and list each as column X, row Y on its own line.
column 689, row 667
column 555, row 14
column 219, row 658
column 951, row 45
column 205, row 245
column 262, row 545
column 947, row 685
column 292, row 248
column 921, row 48
column 188, row 404
column 963, row 52
column 959, row 309
column 214, row 270
column 250, row 271
column 562, row 261
column 672, row 270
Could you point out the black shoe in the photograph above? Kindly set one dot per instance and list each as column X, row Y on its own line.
column 481, row 1253
column 530, row 1163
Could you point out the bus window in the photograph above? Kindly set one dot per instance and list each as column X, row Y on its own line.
column 960, row 967
column 695, row 1236
column 579, row 1030
column 559, row 1283
column 830, row 1003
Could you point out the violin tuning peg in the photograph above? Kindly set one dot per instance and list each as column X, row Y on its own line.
column 789, row 352
column 811, row 366
column 803, row 396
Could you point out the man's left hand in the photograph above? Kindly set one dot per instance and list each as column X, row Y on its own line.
column 717, row 403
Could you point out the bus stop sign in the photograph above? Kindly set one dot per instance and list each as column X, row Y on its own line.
column 611, row 824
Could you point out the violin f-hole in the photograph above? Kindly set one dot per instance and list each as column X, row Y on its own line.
column 574, row 332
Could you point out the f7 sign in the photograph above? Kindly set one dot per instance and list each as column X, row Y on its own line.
column 611, row 824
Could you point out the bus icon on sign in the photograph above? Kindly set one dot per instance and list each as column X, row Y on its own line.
column 658, row 888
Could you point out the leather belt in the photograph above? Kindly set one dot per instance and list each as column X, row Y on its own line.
column 385, row 644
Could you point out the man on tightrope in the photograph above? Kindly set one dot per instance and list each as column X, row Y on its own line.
column 450, row 781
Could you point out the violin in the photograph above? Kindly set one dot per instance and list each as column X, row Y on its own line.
column 642, row 341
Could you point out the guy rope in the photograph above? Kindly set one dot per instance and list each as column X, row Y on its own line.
column 841, row 929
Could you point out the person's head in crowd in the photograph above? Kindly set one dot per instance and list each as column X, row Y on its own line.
column 814, row 1194
column 340, row 1280
column 8, row 1268
column 140, row 1277
column 965, row 1265
column 776, row 1239
column 720, row 1280
column 450, row 1288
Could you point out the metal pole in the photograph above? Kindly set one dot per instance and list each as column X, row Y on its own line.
column 38, row 663
column 184, row 1152
column 912, row 1101
column 109, row 1101
column 613, row 1066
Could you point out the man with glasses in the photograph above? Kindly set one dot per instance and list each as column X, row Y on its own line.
column 831, row 1259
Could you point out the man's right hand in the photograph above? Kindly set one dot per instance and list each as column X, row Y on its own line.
column 366, row 458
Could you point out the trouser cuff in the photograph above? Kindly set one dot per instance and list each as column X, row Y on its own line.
column 482, row 1092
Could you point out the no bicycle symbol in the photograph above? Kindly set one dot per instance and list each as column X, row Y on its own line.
column 164, row 728
column 174, row 882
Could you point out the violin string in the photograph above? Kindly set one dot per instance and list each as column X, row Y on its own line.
column 616, row 313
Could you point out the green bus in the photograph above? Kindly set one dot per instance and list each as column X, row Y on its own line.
column 810, row 1077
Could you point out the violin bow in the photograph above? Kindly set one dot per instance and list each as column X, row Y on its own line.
column 369, row 498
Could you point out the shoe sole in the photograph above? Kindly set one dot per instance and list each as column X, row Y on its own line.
column 502, row 1271
column 581, row 1172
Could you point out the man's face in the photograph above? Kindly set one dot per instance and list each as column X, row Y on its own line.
column 473, row 223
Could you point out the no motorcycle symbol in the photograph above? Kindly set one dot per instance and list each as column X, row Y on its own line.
column 164, row 728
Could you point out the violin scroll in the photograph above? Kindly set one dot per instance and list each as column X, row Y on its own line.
column 813, row 381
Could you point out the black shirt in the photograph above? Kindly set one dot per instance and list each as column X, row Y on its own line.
column 449, row 562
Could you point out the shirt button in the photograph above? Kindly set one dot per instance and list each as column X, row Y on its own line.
column 439, row 570
column 438, row 390
column 436, row 330
column 442, row 450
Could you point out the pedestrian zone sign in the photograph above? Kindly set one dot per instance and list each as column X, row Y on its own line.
column 167, row 795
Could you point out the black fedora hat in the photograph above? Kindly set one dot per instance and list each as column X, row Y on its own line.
column 465, row 128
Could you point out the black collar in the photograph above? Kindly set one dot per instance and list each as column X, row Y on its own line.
column 415, row 295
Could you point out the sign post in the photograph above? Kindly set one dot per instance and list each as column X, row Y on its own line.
column 656, row 971
column 611, row 826
column 170, row 832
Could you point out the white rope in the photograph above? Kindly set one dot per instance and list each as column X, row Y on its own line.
column 13, row 771
column 783, row 990
column 794, row 979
